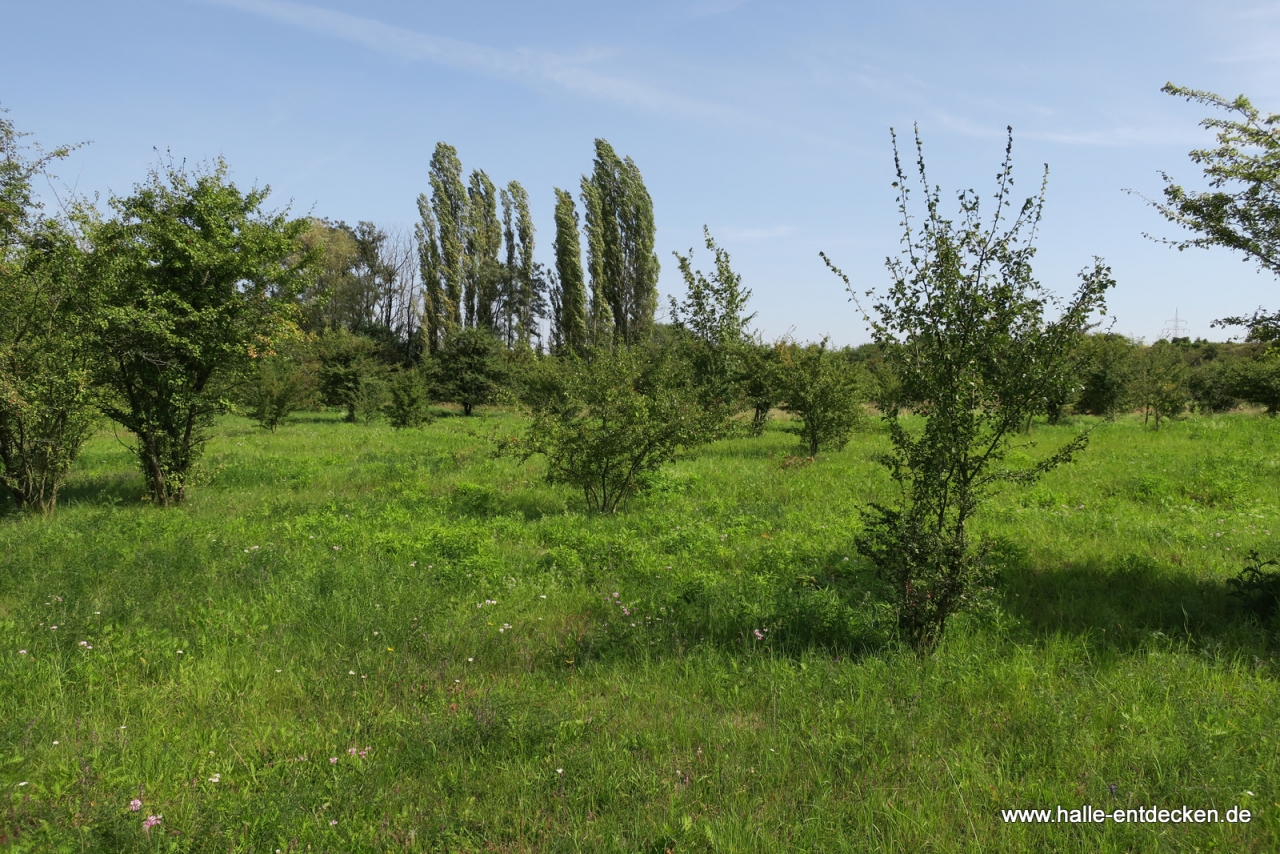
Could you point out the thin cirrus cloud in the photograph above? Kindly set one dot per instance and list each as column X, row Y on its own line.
column 521, row 65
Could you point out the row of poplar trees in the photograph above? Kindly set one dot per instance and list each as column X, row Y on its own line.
column 462, row 238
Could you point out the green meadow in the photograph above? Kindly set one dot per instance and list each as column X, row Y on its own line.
column 355, row 639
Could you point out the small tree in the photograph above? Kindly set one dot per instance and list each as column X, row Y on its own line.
column 824, row 390
column 407, row 399
column 47, row 394
column 963, row 326
column 759, row 380
column 713, row 320
column 1109, row 362
column 279, row 383
column 611, row 423
column 46, row 306
column 1159, row 383
column 196, row 278
column 469, row 369
column 1258, row 380
column 349, row 372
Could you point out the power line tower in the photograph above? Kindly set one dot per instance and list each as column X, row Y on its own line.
column 1175, row 328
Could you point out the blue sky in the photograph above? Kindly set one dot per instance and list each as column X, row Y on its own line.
column 768, row 122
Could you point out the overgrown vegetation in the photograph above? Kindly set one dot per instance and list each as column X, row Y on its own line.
column 653, row 620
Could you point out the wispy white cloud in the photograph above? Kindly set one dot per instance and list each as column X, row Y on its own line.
column 522, row 64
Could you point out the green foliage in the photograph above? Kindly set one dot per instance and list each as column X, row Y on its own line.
column 963, row 327
column 1258, row 380
column 195, row 277
column 469, row 368
column 450, row 205
column 760, row 382
column 612, row 422
column 484, row 272
column 714, row 325
column 569, row 300
column 407, row 399
column 333, row 249
column 520, row 298
column 1241, row 211
column 825, row 391
column 620, row 237
column 1258, row 586
column 46, row 303
column 280, row 383
column 1159, row 383
column 1212, row 382
column 350, row 373
column 1109, row 361
column 47, row 393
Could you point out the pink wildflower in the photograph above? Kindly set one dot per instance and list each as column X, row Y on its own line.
column 135, row 805
column 151, row 821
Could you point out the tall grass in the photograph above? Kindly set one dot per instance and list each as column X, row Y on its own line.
column 355, row 639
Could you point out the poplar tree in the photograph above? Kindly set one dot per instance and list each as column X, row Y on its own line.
column 571, row 320
column 449, row 203
column 483, row 243
column 435, row 309
column 599, row 319
column 620, row 239
column 525, row 271
column 519, row 280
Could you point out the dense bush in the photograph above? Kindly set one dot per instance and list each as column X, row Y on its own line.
column 607, row 425
column 407, row 399
column 759, row 382
column 469, row 369
column 350, row 373
column 1107, row 360
column 280, row 383
column 824, row 390
column 47, row 390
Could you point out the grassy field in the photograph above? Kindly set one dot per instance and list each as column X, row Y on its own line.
column 354, row 639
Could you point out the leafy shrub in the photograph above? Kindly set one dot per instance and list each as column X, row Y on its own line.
column 349, row 372
column 1159, row 382
column 611, row 423
column 1108, row 369
column 47, row 394
column 714, row 325
column 1214, row 385
column 407, row 400
column 823, row 389
column 280, row 383
column 759, row 381
column 963, row 327
column 469, row 368
column 1258, row 381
